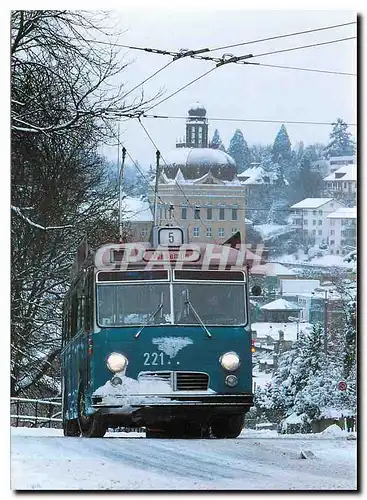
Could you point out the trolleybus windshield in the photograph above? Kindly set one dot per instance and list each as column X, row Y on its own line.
column 215, row 304
column 133, row 304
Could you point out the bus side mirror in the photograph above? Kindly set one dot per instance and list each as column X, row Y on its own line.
column 256, row 291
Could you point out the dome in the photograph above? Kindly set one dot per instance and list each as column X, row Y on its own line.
column 196, row 162
column 197, row 109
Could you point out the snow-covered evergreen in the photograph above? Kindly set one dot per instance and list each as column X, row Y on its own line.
column 239, row 151
column 216, row 142
column 341, row 142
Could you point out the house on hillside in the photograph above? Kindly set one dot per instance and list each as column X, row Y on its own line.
column 342, row 230
column 280, row 310
column 328, row 166
column 309, row 216
column 342, row 184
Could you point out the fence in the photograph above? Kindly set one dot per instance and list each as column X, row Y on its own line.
column 35, row 412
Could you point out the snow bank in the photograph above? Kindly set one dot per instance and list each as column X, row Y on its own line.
column 334, row 430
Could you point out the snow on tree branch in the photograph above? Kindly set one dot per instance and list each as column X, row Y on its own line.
column 34, row 224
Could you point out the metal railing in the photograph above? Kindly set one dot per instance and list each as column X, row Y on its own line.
column 35, row 412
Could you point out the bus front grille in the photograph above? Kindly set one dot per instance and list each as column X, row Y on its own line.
column 191, row 381
column 179, row 381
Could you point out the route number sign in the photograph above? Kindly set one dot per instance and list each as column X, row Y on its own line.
column 170, row 236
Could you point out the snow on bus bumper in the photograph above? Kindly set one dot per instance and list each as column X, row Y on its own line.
column 130, row 404
column 132, row 396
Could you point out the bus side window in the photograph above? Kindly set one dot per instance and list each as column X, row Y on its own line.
column 88, row 309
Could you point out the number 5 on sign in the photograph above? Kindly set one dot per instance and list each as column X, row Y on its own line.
column 171, row 236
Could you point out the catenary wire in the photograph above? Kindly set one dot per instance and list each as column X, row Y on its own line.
column 236, row 61
column 283, row 36
column 180, row 89
column 297, row 68
column 149, row 77
column 303, row 47
column 173, row 53
column 246, row 120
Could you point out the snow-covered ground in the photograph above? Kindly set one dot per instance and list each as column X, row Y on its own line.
column 42, row 459
column 325, row 260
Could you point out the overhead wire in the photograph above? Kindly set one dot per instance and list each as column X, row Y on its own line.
column 277, row 37
column 303, row 47
column 175, row 53
column 297, row 68
column 293, row 122
column 181, row 88
column 238, row 60
column 149, row 77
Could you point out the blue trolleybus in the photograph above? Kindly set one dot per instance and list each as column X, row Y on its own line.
column 158, row 337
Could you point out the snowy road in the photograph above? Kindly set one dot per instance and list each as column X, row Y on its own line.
column 43, row 459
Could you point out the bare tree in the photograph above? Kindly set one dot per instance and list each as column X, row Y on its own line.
column 62, row 92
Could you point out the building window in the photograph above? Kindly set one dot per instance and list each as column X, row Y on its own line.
column 337, row 252
column 234, row 230
column 320, row 212
column 314, row 222
column 184, row 213
column 208, row 232
column 314, row 212
column 197, row 212
column 332, row 222
column 314, row 232
column 220, row 232
column 332, row 242
column 196, row 232
column 221, row 213
column 192, row 135
column 200, row 140
column 209, row 213
column 320, row 232
column 332, row 232
column 234, row 214
column 305, row 222
column 320, row 222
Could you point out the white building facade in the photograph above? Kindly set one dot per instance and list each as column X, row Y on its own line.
column 310, row 216
column 342, row 226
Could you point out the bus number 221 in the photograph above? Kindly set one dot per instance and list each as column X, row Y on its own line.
column 153, row 358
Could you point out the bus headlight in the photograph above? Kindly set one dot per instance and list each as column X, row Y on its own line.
column 116, row 362
column 230, row 361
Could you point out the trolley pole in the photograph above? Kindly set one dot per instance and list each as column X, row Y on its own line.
column 121, row 173
column 157, row 174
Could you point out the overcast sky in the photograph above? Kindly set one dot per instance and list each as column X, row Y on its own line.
column 237, row 91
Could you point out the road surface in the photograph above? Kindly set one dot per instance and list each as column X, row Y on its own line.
column 44, row 459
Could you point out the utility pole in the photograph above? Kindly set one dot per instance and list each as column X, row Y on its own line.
column 325, row 320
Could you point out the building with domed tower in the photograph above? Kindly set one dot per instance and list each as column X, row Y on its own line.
column 198, row 186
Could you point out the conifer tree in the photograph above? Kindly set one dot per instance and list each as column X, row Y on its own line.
column 282, row 148
column 239, row 151
column 216, row 142
column 341, row 142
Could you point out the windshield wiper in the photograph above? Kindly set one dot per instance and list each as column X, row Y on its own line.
column 151, row 317
column 187, row 302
